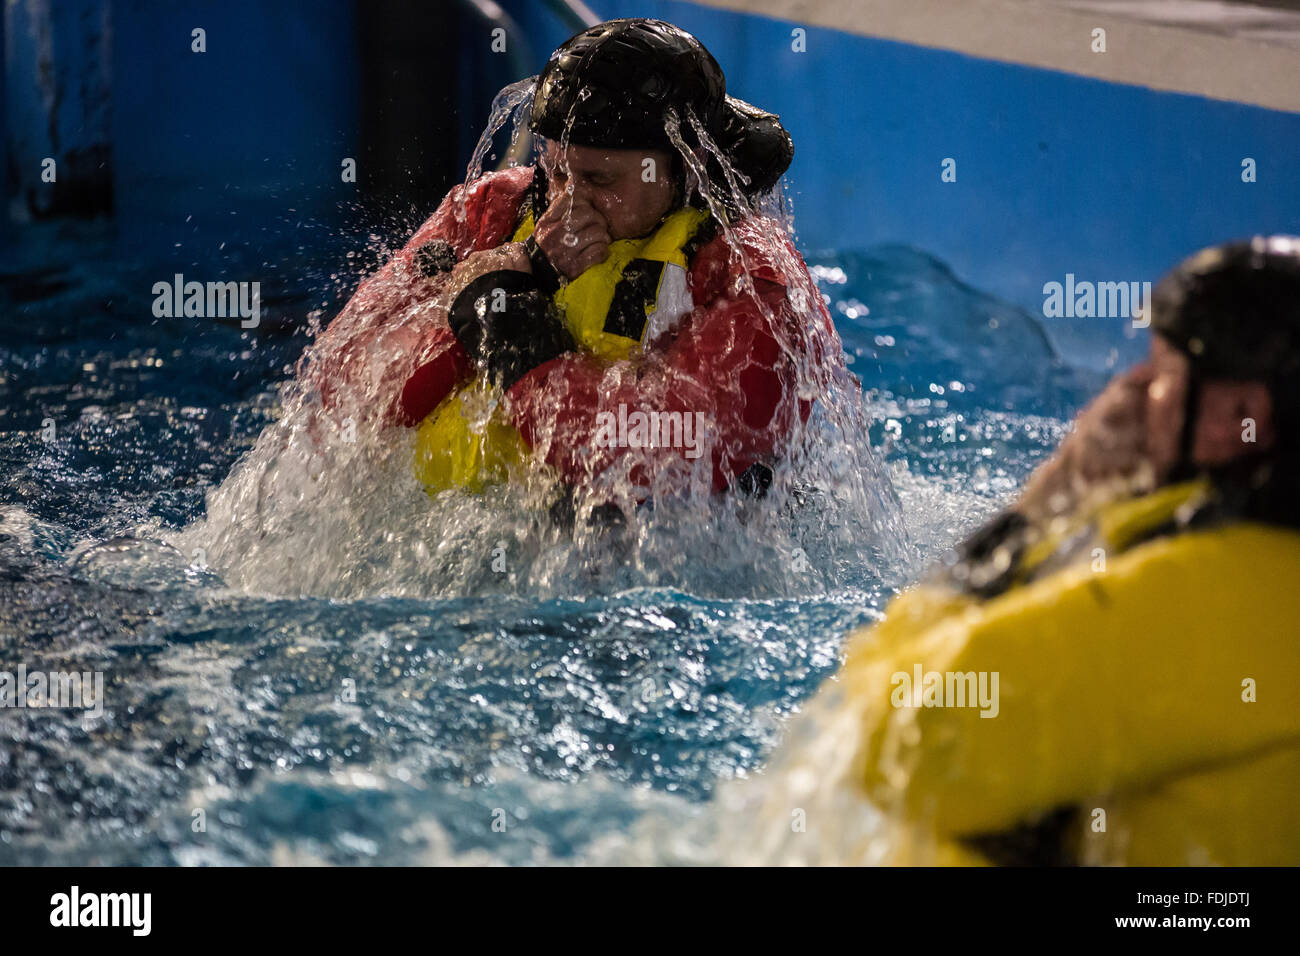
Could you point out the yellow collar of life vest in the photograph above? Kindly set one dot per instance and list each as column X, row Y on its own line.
column 1117, row 525
column 639, row 292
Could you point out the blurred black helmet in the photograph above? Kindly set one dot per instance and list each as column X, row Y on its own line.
column 1234, row 309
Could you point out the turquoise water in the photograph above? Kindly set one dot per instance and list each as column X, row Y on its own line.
column 318, row 673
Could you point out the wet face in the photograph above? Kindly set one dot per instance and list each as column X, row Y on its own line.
column 631, row 188
column 1233, row 418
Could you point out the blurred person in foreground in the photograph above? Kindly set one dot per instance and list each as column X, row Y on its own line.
column 1108, row 671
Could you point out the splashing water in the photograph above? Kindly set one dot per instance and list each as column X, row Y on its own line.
column 327, row 504
column 326, row 662
column 508, row 106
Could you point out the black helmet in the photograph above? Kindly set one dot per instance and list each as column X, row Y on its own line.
column 613, row 84
column 1234, row 309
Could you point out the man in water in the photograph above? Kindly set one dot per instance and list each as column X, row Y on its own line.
column 620, row 313
column 1133, row 614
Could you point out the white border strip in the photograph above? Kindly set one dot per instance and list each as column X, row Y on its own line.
column 1160, row 56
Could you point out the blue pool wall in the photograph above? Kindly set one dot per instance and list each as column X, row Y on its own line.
column 1056, row 173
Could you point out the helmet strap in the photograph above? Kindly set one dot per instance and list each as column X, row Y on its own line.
column 1185, row 468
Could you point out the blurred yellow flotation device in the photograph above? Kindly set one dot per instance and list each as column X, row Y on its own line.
column 1148, row 695
column 639, row 290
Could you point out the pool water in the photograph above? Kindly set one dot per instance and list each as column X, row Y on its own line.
column 314, row 672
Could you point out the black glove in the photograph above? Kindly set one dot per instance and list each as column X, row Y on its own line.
column 548, row 279
column 507, row 325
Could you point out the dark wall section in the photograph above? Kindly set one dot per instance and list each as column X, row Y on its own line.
column 409, row 139
column 57, row 75
column 256, row 126
column 255, row 116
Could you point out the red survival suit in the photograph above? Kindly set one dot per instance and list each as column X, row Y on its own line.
column 741, row 355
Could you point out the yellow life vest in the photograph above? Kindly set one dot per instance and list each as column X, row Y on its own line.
column 639, row 291
column 1162, row 691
